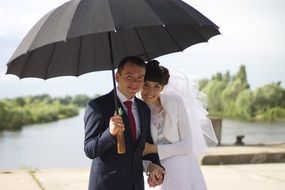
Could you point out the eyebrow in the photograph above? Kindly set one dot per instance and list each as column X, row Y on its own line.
column 130, row 73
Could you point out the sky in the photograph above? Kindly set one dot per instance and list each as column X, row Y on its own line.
column 252, row 35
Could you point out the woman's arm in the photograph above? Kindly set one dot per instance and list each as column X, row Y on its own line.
column 184, row 145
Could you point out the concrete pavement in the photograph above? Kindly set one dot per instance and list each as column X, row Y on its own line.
column 218, row 177
column 265, row 176
column 245, row 177
column 17, row 179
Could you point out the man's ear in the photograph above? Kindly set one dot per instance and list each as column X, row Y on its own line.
column 117, row 76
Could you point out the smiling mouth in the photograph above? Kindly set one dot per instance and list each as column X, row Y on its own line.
column 149, row 97
column 133, row 89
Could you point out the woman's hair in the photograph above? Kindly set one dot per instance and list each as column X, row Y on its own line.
column 156, row 73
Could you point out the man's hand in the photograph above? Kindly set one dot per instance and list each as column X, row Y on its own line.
column 116, row 125
column 155, row 175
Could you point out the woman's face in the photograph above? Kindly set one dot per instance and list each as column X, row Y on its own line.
column 150, row 91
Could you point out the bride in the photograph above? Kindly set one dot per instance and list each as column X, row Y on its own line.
column 179, row 126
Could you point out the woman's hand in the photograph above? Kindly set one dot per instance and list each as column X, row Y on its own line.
column 155, row 175
column 149, row 148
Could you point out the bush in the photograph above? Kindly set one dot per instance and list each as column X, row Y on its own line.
column 273, row 114
column 15, row 113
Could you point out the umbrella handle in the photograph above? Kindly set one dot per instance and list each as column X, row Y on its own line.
column 121, row 149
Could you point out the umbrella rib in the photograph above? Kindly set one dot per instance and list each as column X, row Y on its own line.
column 171, row 36
column 49, row 61
column 199, row 33
column 30, row 55
column 79, row 56
column 148, row 58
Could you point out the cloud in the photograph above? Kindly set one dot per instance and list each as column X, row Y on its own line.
column 18, row 17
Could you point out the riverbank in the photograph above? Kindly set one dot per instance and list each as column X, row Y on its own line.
column 19, row 112
column 218, row 177
column 261, row 176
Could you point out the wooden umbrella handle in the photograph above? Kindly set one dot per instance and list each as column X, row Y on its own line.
column 121, row 148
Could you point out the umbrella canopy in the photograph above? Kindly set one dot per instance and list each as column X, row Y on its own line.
column 83, row 36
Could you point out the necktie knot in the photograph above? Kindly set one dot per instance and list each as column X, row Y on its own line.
column 129, row 105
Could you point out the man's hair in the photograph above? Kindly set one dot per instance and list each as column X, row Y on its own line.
column 130, row 59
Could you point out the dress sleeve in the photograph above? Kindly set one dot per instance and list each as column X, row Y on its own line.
column 183, row 146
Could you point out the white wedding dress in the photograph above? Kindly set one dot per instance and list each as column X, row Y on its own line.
column 183, row 113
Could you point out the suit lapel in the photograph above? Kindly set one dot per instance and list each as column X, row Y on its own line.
column 141, row 122
column 124, row 116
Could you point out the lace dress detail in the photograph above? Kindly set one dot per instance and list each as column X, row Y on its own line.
column 157, row 120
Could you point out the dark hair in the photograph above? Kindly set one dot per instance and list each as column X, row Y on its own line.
column 156, row 73
column 130, row 59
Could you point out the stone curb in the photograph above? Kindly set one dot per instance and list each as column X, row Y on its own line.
column 244, row 159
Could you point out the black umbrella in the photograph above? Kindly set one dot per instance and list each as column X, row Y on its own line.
column 83, row 36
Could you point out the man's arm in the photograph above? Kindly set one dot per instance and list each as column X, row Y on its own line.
column 98, row 138
column 153, row 157
column 154, row 170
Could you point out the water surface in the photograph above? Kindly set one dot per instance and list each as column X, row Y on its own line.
column 60, row 144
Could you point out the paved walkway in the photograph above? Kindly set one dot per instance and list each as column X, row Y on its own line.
column 245, row 177
column 269, row 176
column 221, row 177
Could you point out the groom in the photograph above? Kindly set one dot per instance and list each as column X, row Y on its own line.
column 109, row 169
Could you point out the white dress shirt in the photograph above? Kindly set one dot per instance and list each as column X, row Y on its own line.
column 135, row 111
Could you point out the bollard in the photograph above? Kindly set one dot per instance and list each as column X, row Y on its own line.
column 217, row 125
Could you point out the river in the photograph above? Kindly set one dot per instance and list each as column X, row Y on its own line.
column 60, row 144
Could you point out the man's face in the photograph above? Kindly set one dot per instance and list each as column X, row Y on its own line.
column 131, row 79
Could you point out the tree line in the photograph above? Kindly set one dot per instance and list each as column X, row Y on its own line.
column 20, row 111
column 230, row 96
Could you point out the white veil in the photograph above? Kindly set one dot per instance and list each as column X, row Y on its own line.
column 195, row 102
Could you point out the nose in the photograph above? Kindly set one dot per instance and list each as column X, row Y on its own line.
column 149, row 91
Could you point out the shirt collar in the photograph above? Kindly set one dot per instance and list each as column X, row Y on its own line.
column 123, row 98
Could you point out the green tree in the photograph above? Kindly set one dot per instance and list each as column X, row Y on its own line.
column 267, row 97
column 231, row 92
column 244, row 105
column 81, row 100
column 213, row 90
column 203, row 83
column 273, row 114
column 227, row 77
column 14, row 113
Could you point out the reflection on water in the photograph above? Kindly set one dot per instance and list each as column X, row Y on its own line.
column 60, row 144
